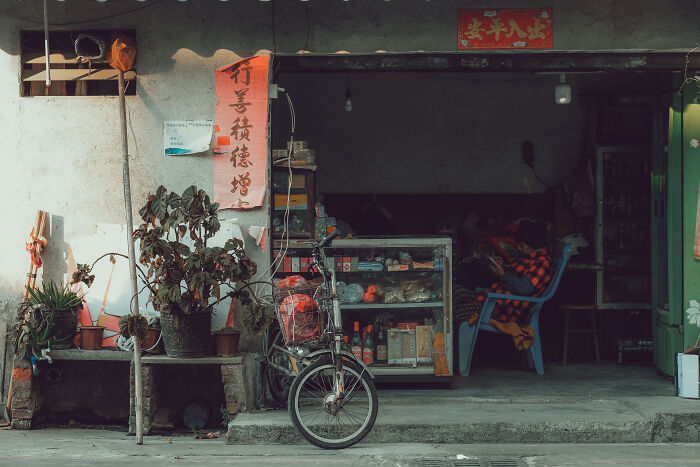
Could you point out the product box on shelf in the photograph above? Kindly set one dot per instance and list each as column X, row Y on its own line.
column 295, row 264
column 424, row 343
column 287, row 264
column 394, row 347
column 401, row 346
column 297, row 201
column 303, row 264
column 347, row 264
column 298, row 144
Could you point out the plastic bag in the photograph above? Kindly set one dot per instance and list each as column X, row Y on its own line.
column 352, row 294
column 393, row 295
column 121, row 52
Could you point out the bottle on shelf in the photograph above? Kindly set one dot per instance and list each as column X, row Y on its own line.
column 356, row 341
column 382, row 349
column 368, row 347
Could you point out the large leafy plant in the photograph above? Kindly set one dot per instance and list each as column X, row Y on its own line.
column 188, row 277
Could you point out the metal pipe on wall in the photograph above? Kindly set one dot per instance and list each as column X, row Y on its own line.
column 138, row 383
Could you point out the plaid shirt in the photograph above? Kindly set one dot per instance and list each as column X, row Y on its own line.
column 538, row 268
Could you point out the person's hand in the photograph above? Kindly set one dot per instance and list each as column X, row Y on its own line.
column 496, row 267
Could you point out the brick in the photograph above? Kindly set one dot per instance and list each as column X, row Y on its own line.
column 25, row 414
column 21, row 424
column 229, row 369
column 20, row 385
column 233, row 408
column 22, row 363
column 22, row 374
column 20, row 402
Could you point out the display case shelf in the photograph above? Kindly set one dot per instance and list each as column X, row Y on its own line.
column 424, row 322
column 384, row 306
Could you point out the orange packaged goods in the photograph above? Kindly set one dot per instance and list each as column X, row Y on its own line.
column 121, row 52
column 368, row 297
column 291, row 281
column 299, row 318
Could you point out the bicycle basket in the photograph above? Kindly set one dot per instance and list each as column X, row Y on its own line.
column 299, row 313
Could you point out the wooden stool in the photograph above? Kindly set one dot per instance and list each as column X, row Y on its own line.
column 591, row 309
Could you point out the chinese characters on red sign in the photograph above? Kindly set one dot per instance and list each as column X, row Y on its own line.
column 240, row 162
column 508, row 28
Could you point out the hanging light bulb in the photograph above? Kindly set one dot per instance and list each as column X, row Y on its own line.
column 348, row 102
column 562, row 93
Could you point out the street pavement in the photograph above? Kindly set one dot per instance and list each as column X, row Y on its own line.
column 56, row 447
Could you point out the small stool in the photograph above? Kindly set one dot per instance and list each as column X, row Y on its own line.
column 591, row 309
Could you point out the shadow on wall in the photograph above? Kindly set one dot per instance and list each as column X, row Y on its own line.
column 54, row 256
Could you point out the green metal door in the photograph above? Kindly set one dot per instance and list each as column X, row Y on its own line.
column 675, row 325
column 667, row 243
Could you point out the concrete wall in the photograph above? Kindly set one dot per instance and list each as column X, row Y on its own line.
column 444, row 133
column 61, row 154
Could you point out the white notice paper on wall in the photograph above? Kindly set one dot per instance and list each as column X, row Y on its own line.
column 187, row 136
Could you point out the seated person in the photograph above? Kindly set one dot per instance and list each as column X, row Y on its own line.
column 526, row 275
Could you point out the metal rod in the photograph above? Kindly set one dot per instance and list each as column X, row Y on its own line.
column 138, row 384
column 46, row 45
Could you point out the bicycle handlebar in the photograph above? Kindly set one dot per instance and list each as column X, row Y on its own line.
column 327, row 241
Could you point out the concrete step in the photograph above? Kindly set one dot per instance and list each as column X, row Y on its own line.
column 479, row 420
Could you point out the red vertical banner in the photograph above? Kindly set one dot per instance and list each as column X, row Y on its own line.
column 240, row 149
column 505, row 28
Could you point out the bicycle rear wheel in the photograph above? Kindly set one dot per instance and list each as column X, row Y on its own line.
column 333, row 427
column 278, row 381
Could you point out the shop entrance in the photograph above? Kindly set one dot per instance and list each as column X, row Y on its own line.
column 420, row 146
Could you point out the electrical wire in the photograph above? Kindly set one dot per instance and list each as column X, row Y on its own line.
column 268, row 274
column 67, row 23
column 274, row 35
column 308, row 26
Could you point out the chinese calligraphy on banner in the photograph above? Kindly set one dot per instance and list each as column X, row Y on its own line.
column 240, row 152
column 507, row 28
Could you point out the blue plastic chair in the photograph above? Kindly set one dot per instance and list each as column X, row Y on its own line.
column 469, row 332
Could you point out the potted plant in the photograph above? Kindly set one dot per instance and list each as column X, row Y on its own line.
column 227, row 340
column 48, row 318
column 186, row 276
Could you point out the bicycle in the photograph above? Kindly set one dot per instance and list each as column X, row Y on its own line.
column 332, row 400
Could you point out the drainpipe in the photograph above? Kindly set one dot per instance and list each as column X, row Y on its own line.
column 46, row 47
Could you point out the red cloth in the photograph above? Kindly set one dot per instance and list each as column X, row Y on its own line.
column 538, row 268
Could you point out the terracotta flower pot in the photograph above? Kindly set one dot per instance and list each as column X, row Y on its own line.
column 185, row 336
column 91, row 337
column 152, row 343
column 227, row 342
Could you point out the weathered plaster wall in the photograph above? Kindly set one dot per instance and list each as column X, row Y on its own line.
column 62, row 154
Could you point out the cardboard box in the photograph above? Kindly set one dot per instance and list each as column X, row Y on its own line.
column 303, row 264
column 320, row 230
column 424, row 343
column 688, row 375
column 298, row 144
column 354, row 261
column 295, row 264
column 347, row 264
column 296, row 201
column 394, row 347
column 408, row 345
column 397, row 267
column 287, row 264
column 279, row 153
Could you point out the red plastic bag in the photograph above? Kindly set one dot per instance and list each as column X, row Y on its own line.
column 121, row 52
column 300, row 318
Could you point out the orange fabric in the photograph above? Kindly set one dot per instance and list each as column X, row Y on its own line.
column 22, row 374
column 439, row 360
column 121, row 53
column 522, row 335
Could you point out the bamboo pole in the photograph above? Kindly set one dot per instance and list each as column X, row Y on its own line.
column 138, row 389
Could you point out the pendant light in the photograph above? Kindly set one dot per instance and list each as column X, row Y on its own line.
column 348, row 102
column 562, row 93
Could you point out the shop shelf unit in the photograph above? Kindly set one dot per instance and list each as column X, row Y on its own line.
column 419, row 296
column 623, row 227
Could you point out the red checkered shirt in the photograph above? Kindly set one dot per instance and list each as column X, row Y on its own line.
column 537, row 267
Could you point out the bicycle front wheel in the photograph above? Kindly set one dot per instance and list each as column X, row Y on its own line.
column 329, row 425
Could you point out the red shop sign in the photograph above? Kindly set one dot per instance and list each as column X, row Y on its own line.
column 507, row 28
